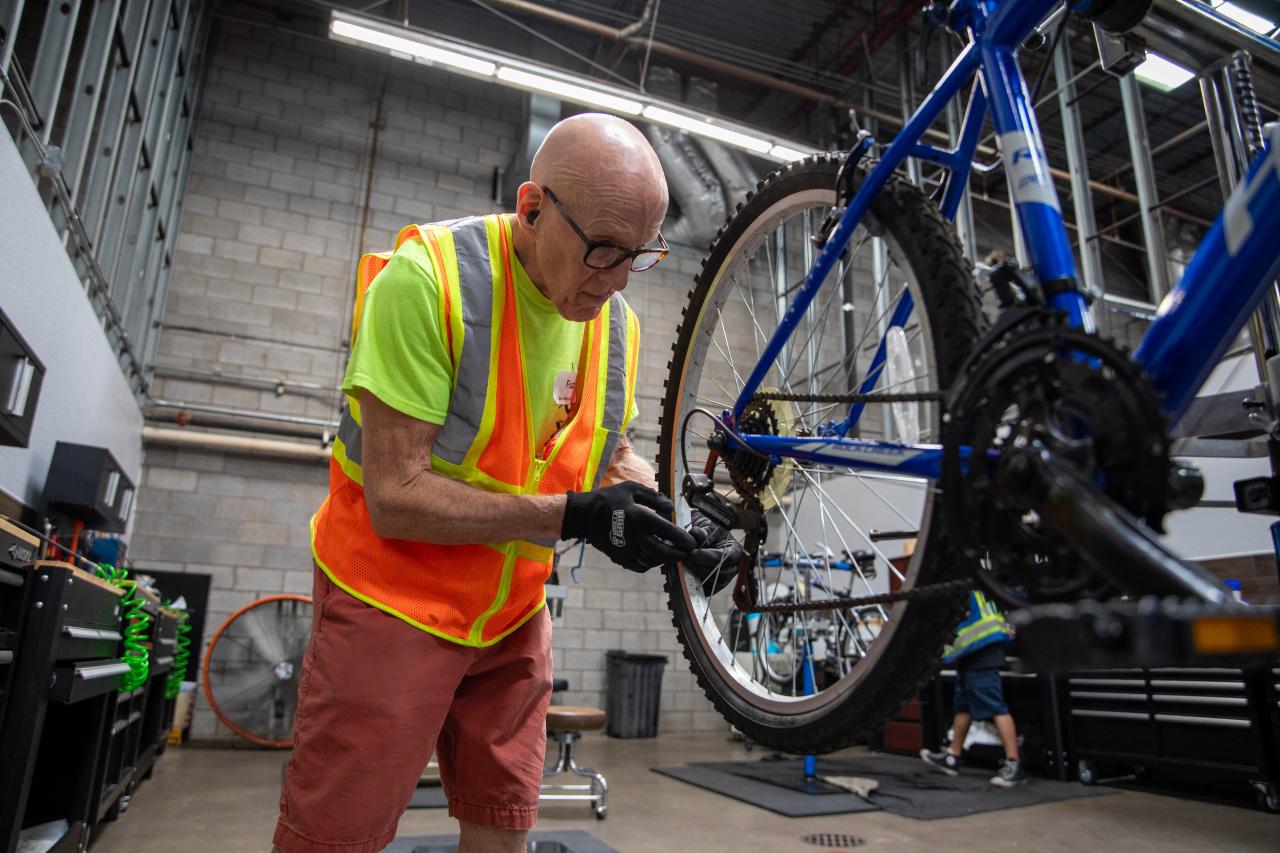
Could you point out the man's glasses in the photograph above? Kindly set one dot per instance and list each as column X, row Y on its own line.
column 605, row 256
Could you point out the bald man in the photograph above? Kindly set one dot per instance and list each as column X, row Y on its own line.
column 489, row 384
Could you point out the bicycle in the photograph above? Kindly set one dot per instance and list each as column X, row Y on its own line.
column 871, row 405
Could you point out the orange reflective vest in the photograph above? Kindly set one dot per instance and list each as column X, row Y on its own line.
column 477, row 594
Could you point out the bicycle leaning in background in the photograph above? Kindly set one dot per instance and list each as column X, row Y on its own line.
column 838, row 399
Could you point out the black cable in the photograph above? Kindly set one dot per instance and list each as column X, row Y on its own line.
column 1048, row 60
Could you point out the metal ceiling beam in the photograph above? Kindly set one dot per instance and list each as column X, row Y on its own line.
column 856, row 43
column 797, row 89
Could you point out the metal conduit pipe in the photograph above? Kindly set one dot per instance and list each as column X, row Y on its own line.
column 279, row 386
column 185, row 419
column 796, row 89
column 265, row 416
column 234, row 443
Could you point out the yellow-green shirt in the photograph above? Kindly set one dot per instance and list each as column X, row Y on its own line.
column 401, row 352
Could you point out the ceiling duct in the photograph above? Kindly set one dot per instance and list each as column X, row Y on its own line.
column 541, row 114
column 737, row 177
column 694, row 187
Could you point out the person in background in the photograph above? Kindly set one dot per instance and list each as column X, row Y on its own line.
column 978, row 653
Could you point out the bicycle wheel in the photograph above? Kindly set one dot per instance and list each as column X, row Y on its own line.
column 818, row 680
column 252, row 667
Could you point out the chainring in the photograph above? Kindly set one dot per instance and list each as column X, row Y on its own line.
column 1035, row 379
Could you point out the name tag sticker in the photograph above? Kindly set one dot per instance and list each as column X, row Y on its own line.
column 563, row 389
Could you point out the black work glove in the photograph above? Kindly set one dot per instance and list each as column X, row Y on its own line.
column 715, row 559
column 628, row 522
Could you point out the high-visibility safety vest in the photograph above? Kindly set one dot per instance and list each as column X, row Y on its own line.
column 983, row 626
column 477, row 594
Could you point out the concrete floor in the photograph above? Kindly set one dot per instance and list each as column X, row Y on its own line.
column 224, row 801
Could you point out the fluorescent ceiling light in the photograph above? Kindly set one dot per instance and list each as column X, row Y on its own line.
column 1244, row 18
column 782, row 152
column 706, row 128
column 569, row 91
column 477, row 61
column 412, row 47
column 1159, row 73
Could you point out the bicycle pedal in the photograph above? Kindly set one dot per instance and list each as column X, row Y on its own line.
column 1147, row 633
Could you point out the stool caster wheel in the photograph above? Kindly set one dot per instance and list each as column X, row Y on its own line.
column 1086, row 772
column 601, row 812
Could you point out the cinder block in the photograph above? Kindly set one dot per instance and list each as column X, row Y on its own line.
column 264, row 197
column 275, row 297
column 286, row 259
column 261, row 235
column 260, row 580
column 246, row 174
column 234, row 250
column 256, row 273
column 602, row 639
column 171, row 479
column 287, row 221
column 288, row 183
column 567, row 638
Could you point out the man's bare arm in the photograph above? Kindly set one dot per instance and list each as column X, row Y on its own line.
column 627, row 465
column 407, row 500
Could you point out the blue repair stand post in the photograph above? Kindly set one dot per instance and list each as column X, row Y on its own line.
column 806, row 663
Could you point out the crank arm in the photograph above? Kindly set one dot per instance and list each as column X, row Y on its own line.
column 1116, row 545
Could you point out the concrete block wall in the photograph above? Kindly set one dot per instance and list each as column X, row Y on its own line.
column 261, row 287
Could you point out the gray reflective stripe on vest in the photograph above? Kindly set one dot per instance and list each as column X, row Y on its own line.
column 475, row 283
column 349, row 435
column 615, row 398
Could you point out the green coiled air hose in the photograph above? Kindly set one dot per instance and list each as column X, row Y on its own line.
column 181, row 654
column 136, row 653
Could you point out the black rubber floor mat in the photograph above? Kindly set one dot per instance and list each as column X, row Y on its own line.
column 910, row 788
column 562, row 841
column 775, row 798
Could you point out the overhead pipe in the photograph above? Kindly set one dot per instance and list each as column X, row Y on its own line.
column 265, row 416
column 184, row 419
column 193, row 440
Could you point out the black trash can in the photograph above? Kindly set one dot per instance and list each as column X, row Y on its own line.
column 635, row 692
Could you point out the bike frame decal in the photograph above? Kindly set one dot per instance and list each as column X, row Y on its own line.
column 1028, row 169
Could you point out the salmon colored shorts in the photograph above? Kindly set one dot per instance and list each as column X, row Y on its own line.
column 377, row 696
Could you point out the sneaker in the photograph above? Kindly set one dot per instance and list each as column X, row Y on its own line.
column 944, row 761
column 1009, row 774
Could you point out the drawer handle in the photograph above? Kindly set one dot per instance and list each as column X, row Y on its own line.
column 88, row 673
column 77, row 633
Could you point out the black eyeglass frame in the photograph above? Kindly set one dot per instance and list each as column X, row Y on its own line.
column 661, row 250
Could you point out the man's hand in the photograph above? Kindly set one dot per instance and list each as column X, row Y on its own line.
column 624, row 521
column 715, row 559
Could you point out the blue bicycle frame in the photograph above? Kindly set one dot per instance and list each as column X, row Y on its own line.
column 1232, row 268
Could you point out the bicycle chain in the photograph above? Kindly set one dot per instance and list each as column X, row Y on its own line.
column 921, row 397
column 923, row 593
